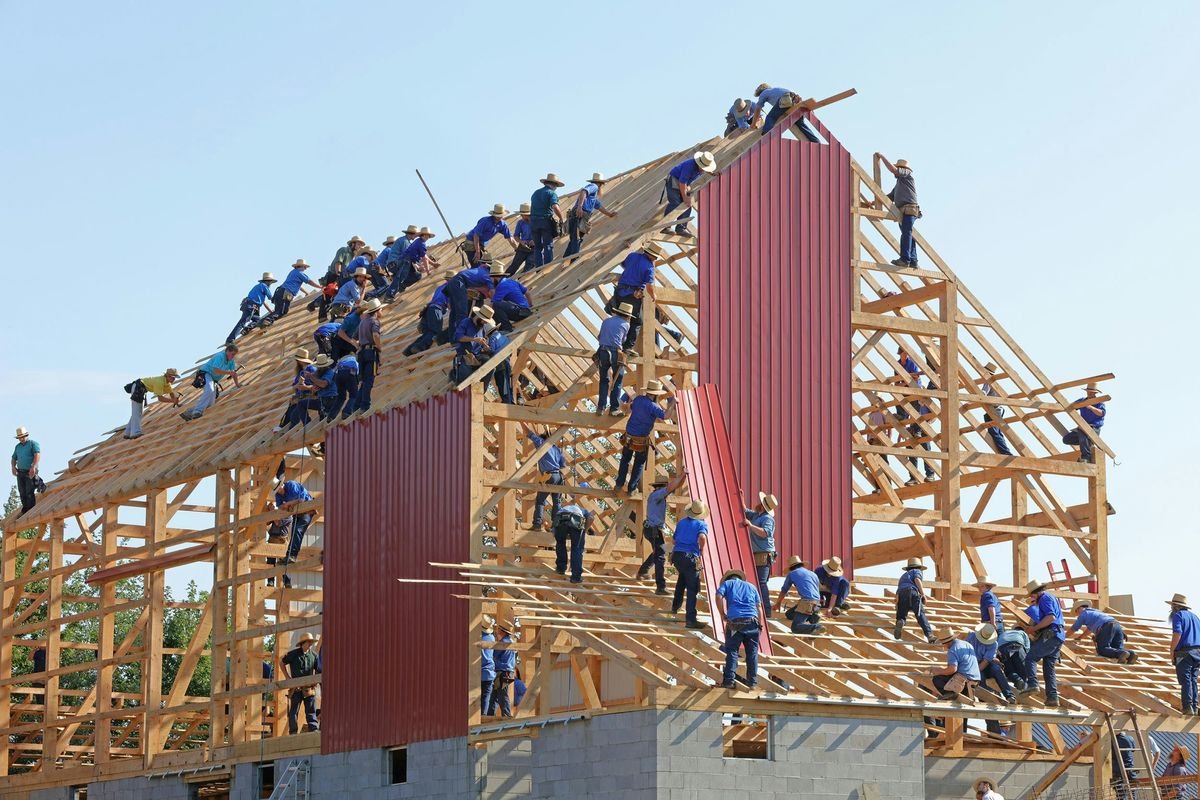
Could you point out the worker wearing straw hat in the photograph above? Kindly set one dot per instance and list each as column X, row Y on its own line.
column 551, row 467
column 636, row 281
column 255, row 299
column 432, row 325
column 544, row 213
column 510, row 298
column 414, row 262
column 984, row 639
column 350, row 293
column 506, row 669
column 740, row 116
column 805, row 615
column 654, row 530
column 26, row 457
column 644, row 411
column 985, row 789
column 579, row 220
column 474, row 244
column 781, row 101
column 609, row 357
column 344, row 255
column 904, row 195
column 158, row 385
column 1048, row 635
column 301, row 662
column 910, row 599
column 835, row 588
column 678, row 188
column 961, row 672
column 1094, row 414
column 487, row 664
column 1106, row 632
column 370, row 351
column 738, row 602
column 989, row 605
column 760, row 524
column 691, row 537
column 1185, row 651
column 523, row 239
column 287, row 291
column 996, row 412
column 209, row 377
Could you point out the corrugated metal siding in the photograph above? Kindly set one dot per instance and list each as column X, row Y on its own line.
column 713, row 478
column 774, row 249
column 395, row 654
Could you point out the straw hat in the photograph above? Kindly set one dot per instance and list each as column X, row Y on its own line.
column 598, row 178
column 370, row 307
column 504, row 625
column 914, row 563
column 986, row 633
column 497, row 270
column 769, row 501
column 654, row 250
column 1092, row 387
column 22, row 433
column 300, row 263
column 1179, row 600
column 1035, row 586
column 323, row 361
column 389, row 241
column 624, row 309
column 361, row 272
column 902, row 164
column 301, row 355
column 705, row 161
column 413, row 229
column 355, row 240
column 944, row 635
column 762, row 87
column 698, row 509
column 1080, row 605
column 171, row 373
column 484, row 312
column 498, row 210
column 990, row 368
column 526, row 208
column 796, row 561
column 655, row 388
column 741, row 104
column 267, row 278
column 983, row 581
column 305, row 637
column 424, row 231
column 552, row 180
column 489, row 624
column 833, row 566
column 733, row 573
column 991, row 784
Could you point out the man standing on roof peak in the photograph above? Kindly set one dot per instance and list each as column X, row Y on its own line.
column 544, row 212
column 678, row 188
column 579, row 222
column 904, row 195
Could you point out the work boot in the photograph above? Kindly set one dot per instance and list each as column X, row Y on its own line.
column 1052, row 702
column 912, row 481
column 661, row 591
column 897, row 630
column 1026, row 689
column 1010, row 699
column 948, row 696
column 900, row 262
column 931, row 638
column 845, row 606
column 642, row 574
column 818, row 630
column 1131, row 657
column 696, row 625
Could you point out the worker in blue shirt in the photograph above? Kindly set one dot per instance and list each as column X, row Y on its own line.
column 910, row 368
column 325, row 380
column 345, row 339
column 502, row 372
column 984, row 640
column 304, row 393
column 255, row 299
column 551, row 467
column 470, row 341
column 411, row 265
column 781, row 101
column 487, row 666
column 474, row 244
column 387, row 254
column 475, row 280
column 1185, row 651
column 678, row 188
column 212, row 372
column 989, row 605
column 760, row 524
column 1048, row 635
column 636, row 281
column 994, row 412
column 835, row 588
column 579, row 221
column 506, row 668
column 1093, row 414
column 288, row 496
column 654, row 531
column 364, row 260
column 571, row 524
column 510, row 299
column 523, row 241
column 433, row 321
column 1107, row 633
column 287, row 291
column 323, row 336
column 1012, row 647
column 691, row 537
column 345, row 376
column 806, row 614
column 738, row 602
column 644, row 411
column 740, row 116
column 962, row 668
column 351, row 293
column 544, row 212
column 910, row 599
column 610, row 358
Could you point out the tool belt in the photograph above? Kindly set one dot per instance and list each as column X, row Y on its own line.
column 638, row 444
column 806, row 607
column 1048, row 634
column 1180, row 652
column 198, row 379
column 524, row 248
column 763, row 558
column 741, row 623
column 911, row 210
column 959, row 682
column 286, row 296
column 610, row 357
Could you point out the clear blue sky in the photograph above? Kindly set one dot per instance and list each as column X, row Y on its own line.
column 155, row 158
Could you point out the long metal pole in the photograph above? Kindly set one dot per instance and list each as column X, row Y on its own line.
column 445, row 222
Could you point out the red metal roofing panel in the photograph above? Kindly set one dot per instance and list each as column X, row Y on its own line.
column 712, row 477
column 774, row 247
column 397, row 496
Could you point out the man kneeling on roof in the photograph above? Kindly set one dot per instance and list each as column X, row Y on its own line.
column 1106, row 631
column 962, row 668
column 984, row 640
column 1011, row 649
column 834, row 586
column 806, row 613
column 739, row 602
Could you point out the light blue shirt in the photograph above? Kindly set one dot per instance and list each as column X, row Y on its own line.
column 983, row 652
column 805, row 582
column 909, row 579
column 553, row 460
column 591, row 198
column 656, row 507
column 295, row 279
column 613, row 331
column 1187, row 625
column 349, row 294
column 769, row 96
column 487, row 667
column 765, row 521
column 1091, row 619
column 219, row 361
column 962, row 656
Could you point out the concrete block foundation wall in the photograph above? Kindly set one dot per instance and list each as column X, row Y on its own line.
column 947, row 778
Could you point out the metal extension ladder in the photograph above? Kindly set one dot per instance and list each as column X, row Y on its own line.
column 294, row 781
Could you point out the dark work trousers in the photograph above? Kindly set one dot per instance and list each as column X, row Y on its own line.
column 347, row 385
column 521, row 258
column 1110, row 640
column 741, row 633
column 508, row 312
column 763, row 573
column 329, row 406
column 688, row 583
column 339, row 347
column 402, row 278
column 300, row 410
column 639, row 464
column 543, row 241
column 368, row 368
column 674, row 200
column 500, row 699
column 806, row 623
column 1013, row 658
column 574, row 226
column 25, row 485
column 997, row 435
column 658, row 555
column 300, row 523
column 612, row 373
column 504, row 382
column 485, row 693
column 909, row 602
column 635, row 324
column 310, row 711
column 324, row 344
column 249, row 310
column 433, row 319
column 838, row 589
column 460, row 303
column 378, row 282
column 1045, row 651
column 575, row 536
column 916, row 432
column 1078, row 437
column 994, row 671
column 554, row 478
column 283, row 303
column 908, row 244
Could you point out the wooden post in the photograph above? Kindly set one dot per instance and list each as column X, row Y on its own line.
column 104, row 652
column 51, row 742
column 152, row 638
column 950, row 569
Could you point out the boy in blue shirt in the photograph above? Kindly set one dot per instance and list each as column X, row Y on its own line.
column 910, row 599
column 989, row 605
column 984, row 639
column 739, row 117
column 1093, row 414
column 510, row 299
column 678, row 187
column 1108, row 634
column 289, row 495
column 579, row 221
column 611, row 341
column 543, row 210
column 287, row 291
column 806, row 614
column 962, row 668
column 255, row 299
column 654, row 531
column 323, row 336
column 212, row 372
column 433, row 322
column 523, row 240
column 644, row 411
column 1048, row 635
column 550, row 466
column 691, row 536
column 636, row 280
column 1185, row 651
column 738, row 602
column 475, row 242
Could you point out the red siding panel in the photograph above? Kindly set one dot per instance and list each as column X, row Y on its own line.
column 397, row 496
column 774, row 249
column 712, row 477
